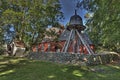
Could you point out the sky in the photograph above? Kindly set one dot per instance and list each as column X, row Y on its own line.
column 68, row 8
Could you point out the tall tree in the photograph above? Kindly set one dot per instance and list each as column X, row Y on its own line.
column 105, row 22
column 30, row 17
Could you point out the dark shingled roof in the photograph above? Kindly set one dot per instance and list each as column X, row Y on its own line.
column 66, row 33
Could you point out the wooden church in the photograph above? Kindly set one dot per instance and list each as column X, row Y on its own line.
column 72, row 39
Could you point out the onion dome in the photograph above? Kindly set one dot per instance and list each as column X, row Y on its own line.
column 76, row 22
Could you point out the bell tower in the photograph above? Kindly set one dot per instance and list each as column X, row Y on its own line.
column 75, row 38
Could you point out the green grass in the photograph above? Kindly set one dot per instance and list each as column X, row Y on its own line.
column 24, row 69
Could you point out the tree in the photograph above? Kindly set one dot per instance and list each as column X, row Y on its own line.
column 105, row 22
column 30, row 18
column 1, row 38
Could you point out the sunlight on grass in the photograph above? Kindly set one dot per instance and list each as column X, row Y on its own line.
column 77, row 73
column 14, row 61
column 100, row 75
column 11, row 60
column 117, row 67
column 4, row 62
column 6, row 72
column 64, row 70
column 51, row 76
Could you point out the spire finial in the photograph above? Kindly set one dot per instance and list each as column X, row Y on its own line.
column 75, row 12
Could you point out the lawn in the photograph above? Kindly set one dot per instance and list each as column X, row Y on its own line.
column 24, row 69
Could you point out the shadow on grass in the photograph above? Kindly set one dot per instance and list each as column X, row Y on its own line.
column 23, row 69
column 8, row 65
column 100, row 72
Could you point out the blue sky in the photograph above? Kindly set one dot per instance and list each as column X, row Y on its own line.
column 68, row 8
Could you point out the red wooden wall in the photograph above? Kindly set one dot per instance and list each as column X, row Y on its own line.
column 59, row 45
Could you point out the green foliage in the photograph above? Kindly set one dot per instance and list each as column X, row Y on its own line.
column 30, row 17
column 104, row 25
